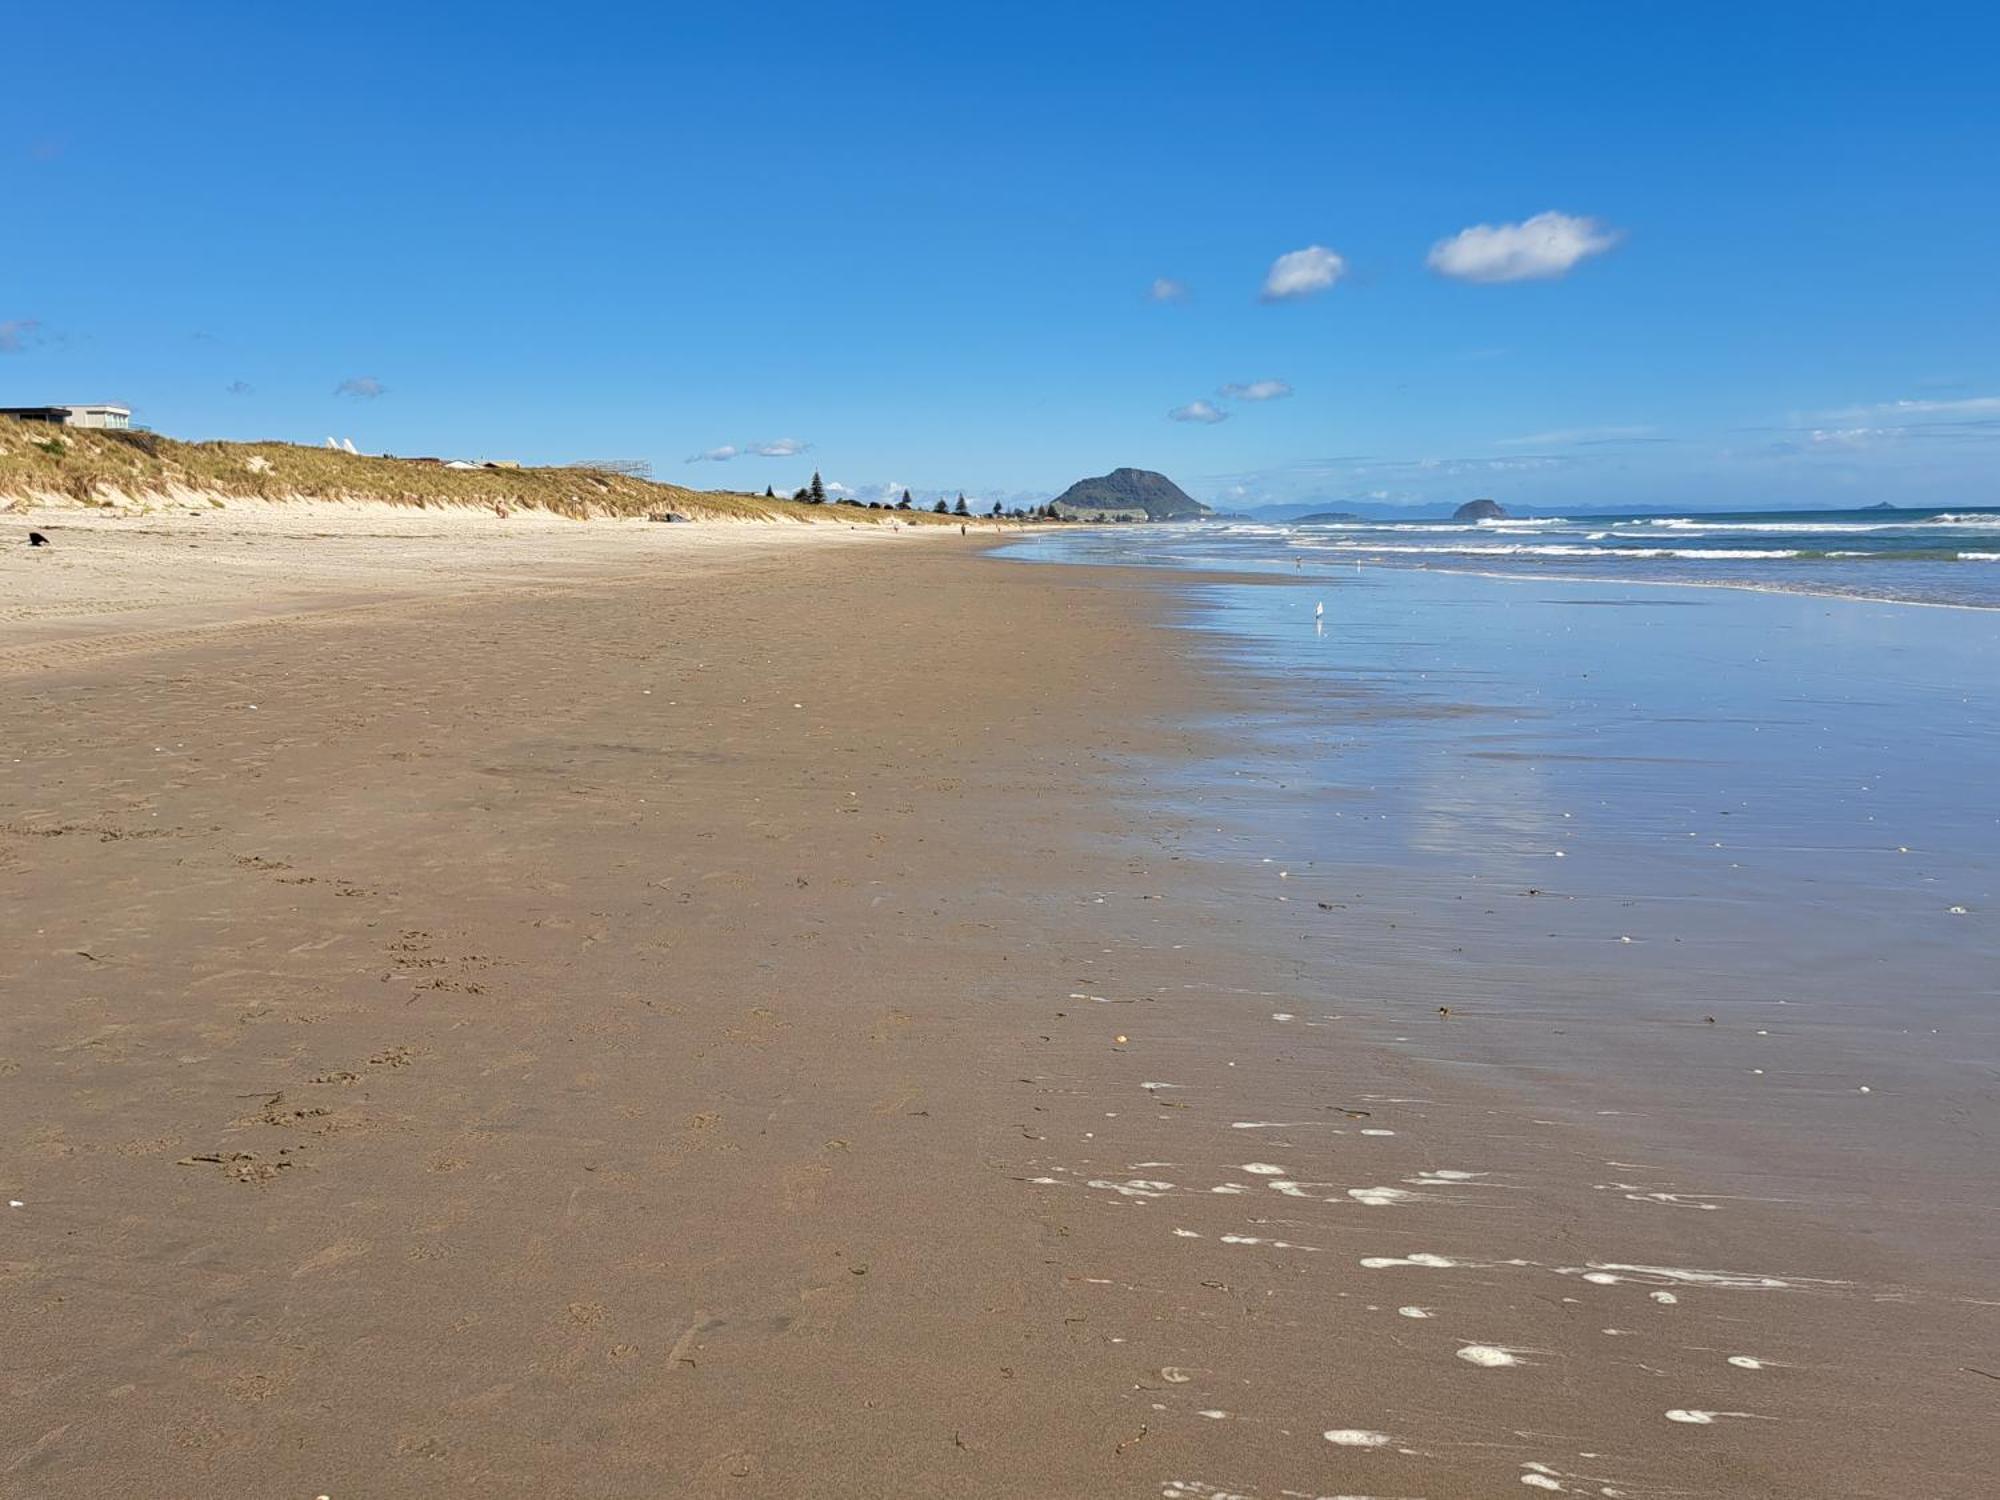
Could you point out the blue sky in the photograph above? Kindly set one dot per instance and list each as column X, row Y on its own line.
column 920, row 245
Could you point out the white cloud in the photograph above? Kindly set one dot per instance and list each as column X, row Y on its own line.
column 1571, row 436
column 361, row 387
column 1166, row 289
column 1970, row 406
column 1537, row 249
column 1300, row 273
column 886, row 493
column 778, row 448
column 1198, row 411
column 1980, row 433
column 1257, row 390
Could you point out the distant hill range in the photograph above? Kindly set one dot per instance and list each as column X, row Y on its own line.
column 1129, row 495
column 1441, row 510
column 1349, row 510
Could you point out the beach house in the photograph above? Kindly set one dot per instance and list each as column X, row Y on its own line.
column 100, row 415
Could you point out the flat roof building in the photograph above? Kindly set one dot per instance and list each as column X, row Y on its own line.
column 101, row 415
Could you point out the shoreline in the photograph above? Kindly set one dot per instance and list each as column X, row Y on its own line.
column 1333, row 563
column 1701, row 583
column 804, row 1059
column 1737, row 585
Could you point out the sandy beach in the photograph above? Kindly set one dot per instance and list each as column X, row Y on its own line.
column 599, row 1009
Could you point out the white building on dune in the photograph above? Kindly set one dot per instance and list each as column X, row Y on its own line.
column 81, row 415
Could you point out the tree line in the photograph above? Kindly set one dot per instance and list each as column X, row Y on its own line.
column 815, row 494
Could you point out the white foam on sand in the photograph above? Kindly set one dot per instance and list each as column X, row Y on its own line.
column 1751, row 1281
column 1547, row 1477
column 1137, row 1187
column 1251, row 1239
column 1384, row 1197
column 1421, row 1258
column 1705, row 1418
column 1264, row 1169
column 1672, row 1200
column 1488, row 1356
column 1356, row 1437
column 1196, row 1489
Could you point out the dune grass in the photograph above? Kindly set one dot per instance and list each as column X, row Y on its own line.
column 41, row 463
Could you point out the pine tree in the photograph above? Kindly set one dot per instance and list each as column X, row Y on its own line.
column 938, row 509
column 996, row 507
column 905, row 504
column 769, row 493
column 816, row 492
column 959, row 509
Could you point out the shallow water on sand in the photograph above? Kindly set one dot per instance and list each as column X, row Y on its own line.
column 1717, row 870
column 1929, row 556
column 1607, row 1102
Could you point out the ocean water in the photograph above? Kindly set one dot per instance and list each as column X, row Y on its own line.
column 1927, row 556
column 1720, row 862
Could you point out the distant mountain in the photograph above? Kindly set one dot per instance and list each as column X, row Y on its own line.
column 1432, row 510
column 1290, row 512
column 1365, row 510
column 1480, row 510
column 1129, row 494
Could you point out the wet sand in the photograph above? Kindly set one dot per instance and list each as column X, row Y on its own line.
column 743, row 1026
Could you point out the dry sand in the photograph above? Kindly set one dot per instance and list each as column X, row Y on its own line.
column 660, row 1012
column 114, row 579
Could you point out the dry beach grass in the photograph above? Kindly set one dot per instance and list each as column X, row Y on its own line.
column 145, row 472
